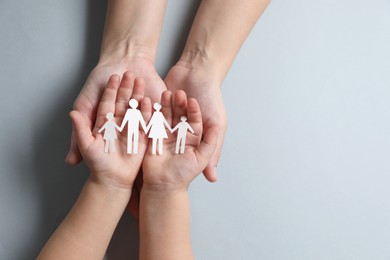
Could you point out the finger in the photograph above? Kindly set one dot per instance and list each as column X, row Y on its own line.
column 124, row 94
column 107, row 103
column 82, row 130
column 146, row 109
column 179, row 106
column 210, row 172
column 166, row 103
column 74, row 155
column 195, row 117
column 207, row 147
column 139, row 89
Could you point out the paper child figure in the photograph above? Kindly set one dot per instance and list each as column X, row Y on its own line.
column 182, row 128
column 109, row 133
column 133, row 118
column 157, row 129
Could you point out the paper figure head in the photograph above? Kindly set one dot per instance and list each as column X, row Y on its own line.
column 110, row 115
column 133, row 103
column 183, row 118
column 157, row 106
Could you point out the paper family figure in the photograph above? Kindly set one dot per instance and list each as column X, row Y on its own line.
column 109, row 132
column 133, row 118
column 157, row 126
column 182, row 128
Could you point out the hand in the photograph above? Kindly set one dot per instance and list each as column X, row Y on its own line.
column 200, row 85
column 115, row 168
column 89, row 97
column 170, row 171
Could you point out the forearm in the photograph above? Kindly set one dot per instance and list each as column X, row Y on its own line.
column 219, row 29
column 132, row 27
column 164, row 225
column 86, row 231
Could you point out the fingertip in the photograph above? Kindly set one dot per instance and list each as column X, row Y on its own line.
column 113, row 81
column 128, row 75
column 210, row 173
column 72, row 158
column 180, row 98
column 193, row 104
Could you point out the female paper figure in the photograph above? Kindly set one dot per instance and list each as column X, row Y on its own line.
column 157, row 126
column 109, row 133
column 182, row 128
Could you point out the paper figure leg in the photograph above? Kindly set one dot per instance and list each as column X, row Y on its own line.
column 106, row 147
column 112, row 146
column 135, row 142
column 129, row 143
column 154, row 140
column 160, row 146
column 183, row 144
column 177, row 145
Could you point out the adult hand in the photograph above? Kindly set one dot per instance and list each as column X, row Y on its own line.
column 199, row 84
column 88, row 99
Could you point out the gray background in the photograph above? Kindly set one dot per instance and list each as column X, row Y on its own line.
column 305, row 171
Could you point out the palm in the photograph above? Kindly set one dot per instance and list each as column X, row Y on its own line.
column 89, row 97
column 118, row 161
column 208, row 94
column 153, row 164
column 114, row 164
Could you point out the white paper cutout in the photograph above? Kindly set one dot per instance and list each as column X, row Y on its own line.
column 157, row 126
column 109, row 132
column 133, row 118
column 182, row 128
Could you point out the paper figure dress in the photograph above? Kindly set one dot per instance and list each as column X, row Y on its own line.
column 109, row 129
column 157, row 125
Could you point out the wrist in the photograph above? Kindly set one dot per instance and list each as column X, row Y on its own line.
column 203, row 61
column 110, row 184
column 164, row 189
column 126, row 50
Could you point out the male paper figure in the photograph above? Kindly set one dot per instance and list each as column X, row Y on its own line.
column 133, row 118
column 183, row 127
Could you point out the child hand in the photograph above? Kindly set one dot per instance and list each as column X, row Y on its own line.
column 116, row 167
column 174, row 172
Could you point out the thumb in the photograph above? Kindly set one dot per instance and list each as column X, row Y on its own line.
column 81, row 130
column 74, row 155
column 207, row 147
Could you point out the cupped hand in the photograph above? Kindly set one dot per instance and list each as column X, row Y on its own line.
column 89, row 97
column 199, row 84
column 170, row 171
column 115, row 167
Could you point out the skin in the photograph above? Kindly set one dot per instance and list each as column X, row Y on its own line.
column 130, row 40
column 87, row 229
column 218, row 31
column 131, row 34
column 164, row 206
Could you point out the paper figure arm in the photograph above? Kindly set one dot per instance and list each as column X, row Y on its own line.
column 190, row 128
column 167, row 125
column 124, row 121
column 103, row 127
column 151, row 122
column 142, row 122
column 175, row 128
